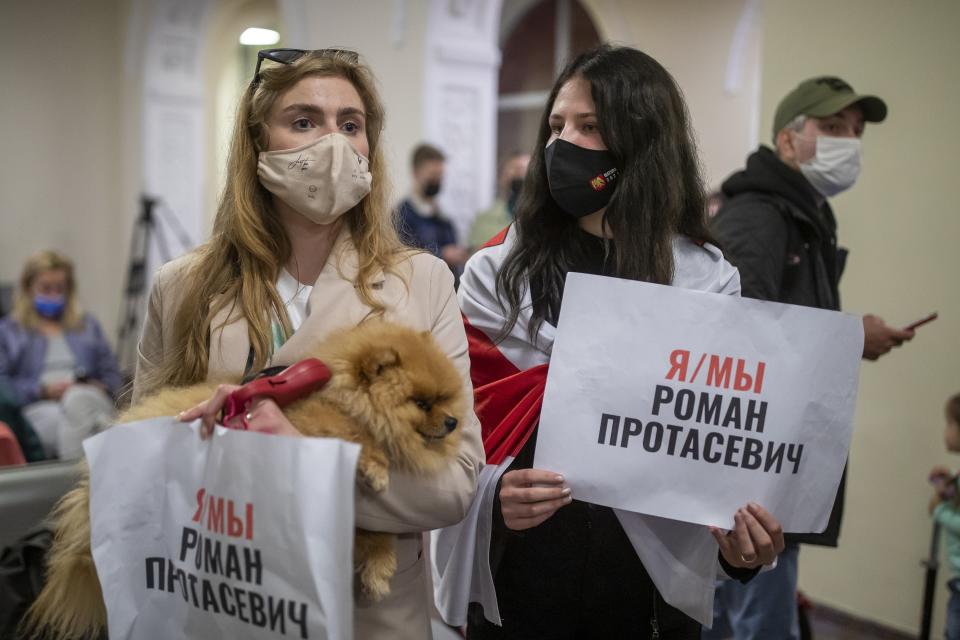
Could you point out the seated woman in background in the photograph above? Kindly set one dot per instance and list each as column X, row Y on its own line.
column 55, row 360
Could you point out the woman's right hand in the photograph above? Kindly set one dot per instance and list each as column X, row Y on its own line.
column 528, row 497
column 263, row 415
column 209, row 410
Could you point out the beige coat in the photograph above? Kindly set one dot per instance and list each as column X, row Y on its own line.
column 412, row 504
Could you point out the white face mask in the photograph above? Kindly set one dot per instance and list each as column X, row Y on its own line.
column 835, row 166
column 321, row 180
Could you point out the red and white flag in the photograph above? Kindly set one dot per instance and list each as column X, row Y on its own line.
column 509, row 374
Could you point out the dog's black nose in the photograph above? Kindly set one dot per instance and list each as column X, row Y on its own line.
column 450, row 423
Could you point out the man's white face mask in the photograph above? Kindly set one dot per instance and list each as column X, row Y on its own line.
column 321, row 180
column 835, row 166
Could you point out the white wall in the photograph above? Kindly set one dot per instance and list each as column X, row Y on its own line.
column 717, row 66
column 69, row 119
column 390, row 37
column 72, row 123
column 901, row 224
column 62, row 124
column 712, row 49
column 227, row 81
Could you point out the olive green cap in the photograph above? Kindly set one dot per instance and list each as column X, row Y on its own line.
column 825, row 96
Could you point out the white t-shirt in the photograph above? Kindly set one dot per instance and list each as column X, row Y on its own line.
column 296, row 299
column 59, row 364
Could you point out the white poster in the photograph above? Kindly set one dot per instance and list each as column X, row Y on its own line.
column 244, row 535
column 687, row 405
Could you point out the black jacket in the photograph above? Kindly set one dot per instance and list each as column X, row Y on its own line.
column 772, row 227
column 782, row 236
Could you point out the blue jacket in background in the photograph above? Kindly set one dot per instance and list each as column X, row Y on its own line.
column 22, row 355
column 427, row 233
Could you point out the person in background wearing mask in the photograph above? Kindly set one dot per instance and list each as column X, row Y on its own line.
column 499, row 216
column 421, row 223
column 55, row 360
column 303, row 245
column 776, row 226
column 613, row 189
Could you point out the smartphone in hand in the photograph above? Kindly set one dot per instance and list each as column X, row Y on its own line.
column 922, row 321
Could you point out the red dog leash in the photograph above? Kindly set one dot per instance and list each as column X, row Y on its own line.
column 288, row 386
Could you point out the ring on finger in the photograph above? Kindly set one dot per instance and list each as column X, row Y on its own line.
column 747, row 560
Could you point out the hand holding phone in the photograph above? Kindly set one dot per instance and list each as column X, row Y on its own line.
column 922, row 321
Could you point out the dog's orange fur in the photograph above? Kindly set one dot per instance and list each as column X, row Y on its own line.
column 391, row 391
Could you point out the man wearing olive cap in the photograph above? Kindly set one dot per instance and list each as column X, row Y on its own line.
column 777, row 227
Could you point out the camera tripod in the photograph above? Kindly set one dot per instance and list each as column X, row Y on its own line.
column 146, row 234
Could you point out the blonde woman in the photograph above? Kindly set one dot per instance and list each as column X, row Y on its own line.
column 302, row 245
column 54, row 360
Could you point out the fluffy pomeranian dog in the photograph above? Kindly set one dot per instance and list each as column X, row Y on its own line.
column 392, row 391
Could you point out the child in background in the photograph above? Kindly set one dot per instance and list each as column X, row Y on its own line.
column 945, row 508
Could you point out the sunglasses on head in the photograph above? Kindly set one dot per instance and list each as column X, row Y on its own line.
column 289, row 56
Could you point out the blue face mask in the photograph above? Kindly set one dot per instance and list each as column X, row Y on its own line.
column 50, row 307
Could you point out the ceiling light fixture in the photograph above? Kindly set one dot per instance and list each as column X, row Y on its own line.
column 258, row 36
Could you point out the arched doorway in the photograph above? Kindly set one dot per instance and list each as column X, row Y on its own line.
column 536, row 43
column 187, row 68
column 463, row 97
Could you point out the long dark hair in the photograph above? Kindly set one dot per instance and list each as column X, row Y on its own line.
column 643, row 120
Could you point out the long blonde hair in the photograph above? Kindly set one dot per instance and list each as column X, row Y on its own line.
column 239, row 265
column 23, row 310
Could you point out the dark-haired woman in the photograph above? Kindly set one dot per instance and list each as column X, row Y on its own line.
column 613, row 189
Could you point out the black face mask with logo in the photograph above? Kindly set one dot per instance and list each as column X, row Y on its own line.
column 581, row 180
column 431, row 189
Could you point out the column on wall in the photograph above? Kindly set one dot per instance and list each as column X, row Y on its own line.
column 460, row 101
column 173, row 119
